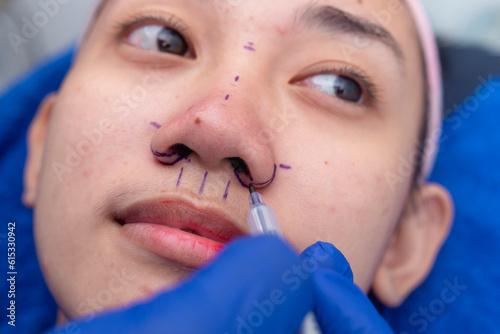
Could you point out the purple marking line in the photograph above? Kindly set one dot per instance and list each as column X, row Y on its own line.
column 237, row 78
column 163, row 155
column 249, row 48
column 257, row 185
column 268, row 182
column 179, row 179
column 250, row 43
column 203, row 183
column 285, row 166
column 227, row 191
column 240, row 180
column 227, row 97
column 167, row 155
column 234, row 85
column 172, row 163
column 156, row 125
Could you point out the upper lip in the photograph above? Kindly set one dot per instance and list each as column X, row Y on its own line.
column 207, row 222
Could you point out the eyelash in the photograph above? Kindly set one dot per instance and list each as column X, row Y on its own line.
column 124, row 28
column 362, row 79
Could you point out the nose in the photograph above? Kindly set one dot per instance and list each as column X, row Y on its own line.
column 219, row 134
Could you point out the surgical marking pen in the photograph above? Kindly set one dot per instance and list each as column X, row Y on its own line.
column 262, row 220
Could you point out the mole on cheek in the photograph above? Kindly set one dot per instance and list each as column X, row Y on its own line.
column 198, row 120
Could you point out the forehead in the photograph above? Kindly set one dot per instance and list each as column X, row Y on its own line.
column 386, row 13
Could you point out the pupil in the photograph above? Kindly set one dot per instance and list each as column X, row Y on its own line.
column 347, row 89
column 171, row 41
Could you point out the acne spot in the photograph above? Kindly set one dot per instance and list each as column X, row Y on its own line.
column 326, row 163
column 198, row 120
column 281, row 29
column 333, row 209
column 146, row 290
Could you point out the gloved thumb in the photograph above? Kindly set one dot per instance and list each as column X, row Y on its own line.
column 326, row 256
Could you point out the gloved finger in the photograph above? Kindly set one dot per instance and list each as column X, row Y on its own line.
column 253, row 286
column 342, row 308
column 249, row 288
column 327, row 256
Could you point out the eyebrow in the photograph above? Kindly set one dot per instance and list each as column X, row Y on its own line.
column 335, row 20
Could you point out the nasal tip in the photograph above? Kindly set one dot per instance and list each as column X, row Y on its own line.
column 252, row 189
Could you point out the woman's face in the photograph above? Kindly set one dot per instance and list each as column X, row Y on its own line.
column 173, row 106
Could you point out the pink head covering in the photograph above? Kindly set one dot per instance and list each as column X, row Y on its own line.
column 433, row 68
column 433, row 71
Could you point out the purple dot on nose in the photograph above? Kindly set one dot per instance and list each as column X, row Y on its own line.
column 156, row 125
column 227, row 97
column 237, row 78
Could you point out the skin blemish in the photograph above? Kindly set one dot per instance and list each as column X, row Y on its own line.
column 249, row 47
column 285, row 167
column 226, row 193
column 227, row 97
column 198, row 120
column 203, row 183
column 156, row 125
column 326, row 162
column 180, row 176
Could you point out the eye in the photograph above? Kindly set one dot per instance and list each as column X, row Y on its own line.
column 339, row 86
column 159, row 38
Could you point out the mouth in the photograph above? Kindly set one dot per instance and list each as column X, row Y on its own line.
column 177, row 230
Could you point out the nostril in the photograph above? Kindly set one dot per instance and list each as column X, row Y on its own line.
column 240, row 166
column 181, row 149
column 174, row 154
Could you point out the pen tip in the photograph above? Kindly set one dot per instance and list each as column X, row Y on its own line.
column 251, row 187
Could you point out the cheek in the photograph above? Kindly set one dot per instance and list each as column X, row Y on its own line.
column 345, row 200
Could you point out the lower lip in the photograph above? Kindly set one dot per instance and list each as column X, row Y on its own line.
column 185, row 248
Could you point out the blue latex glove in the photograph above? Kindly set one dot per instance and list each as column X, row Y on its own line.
column 340, row 306
column 257, row 285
